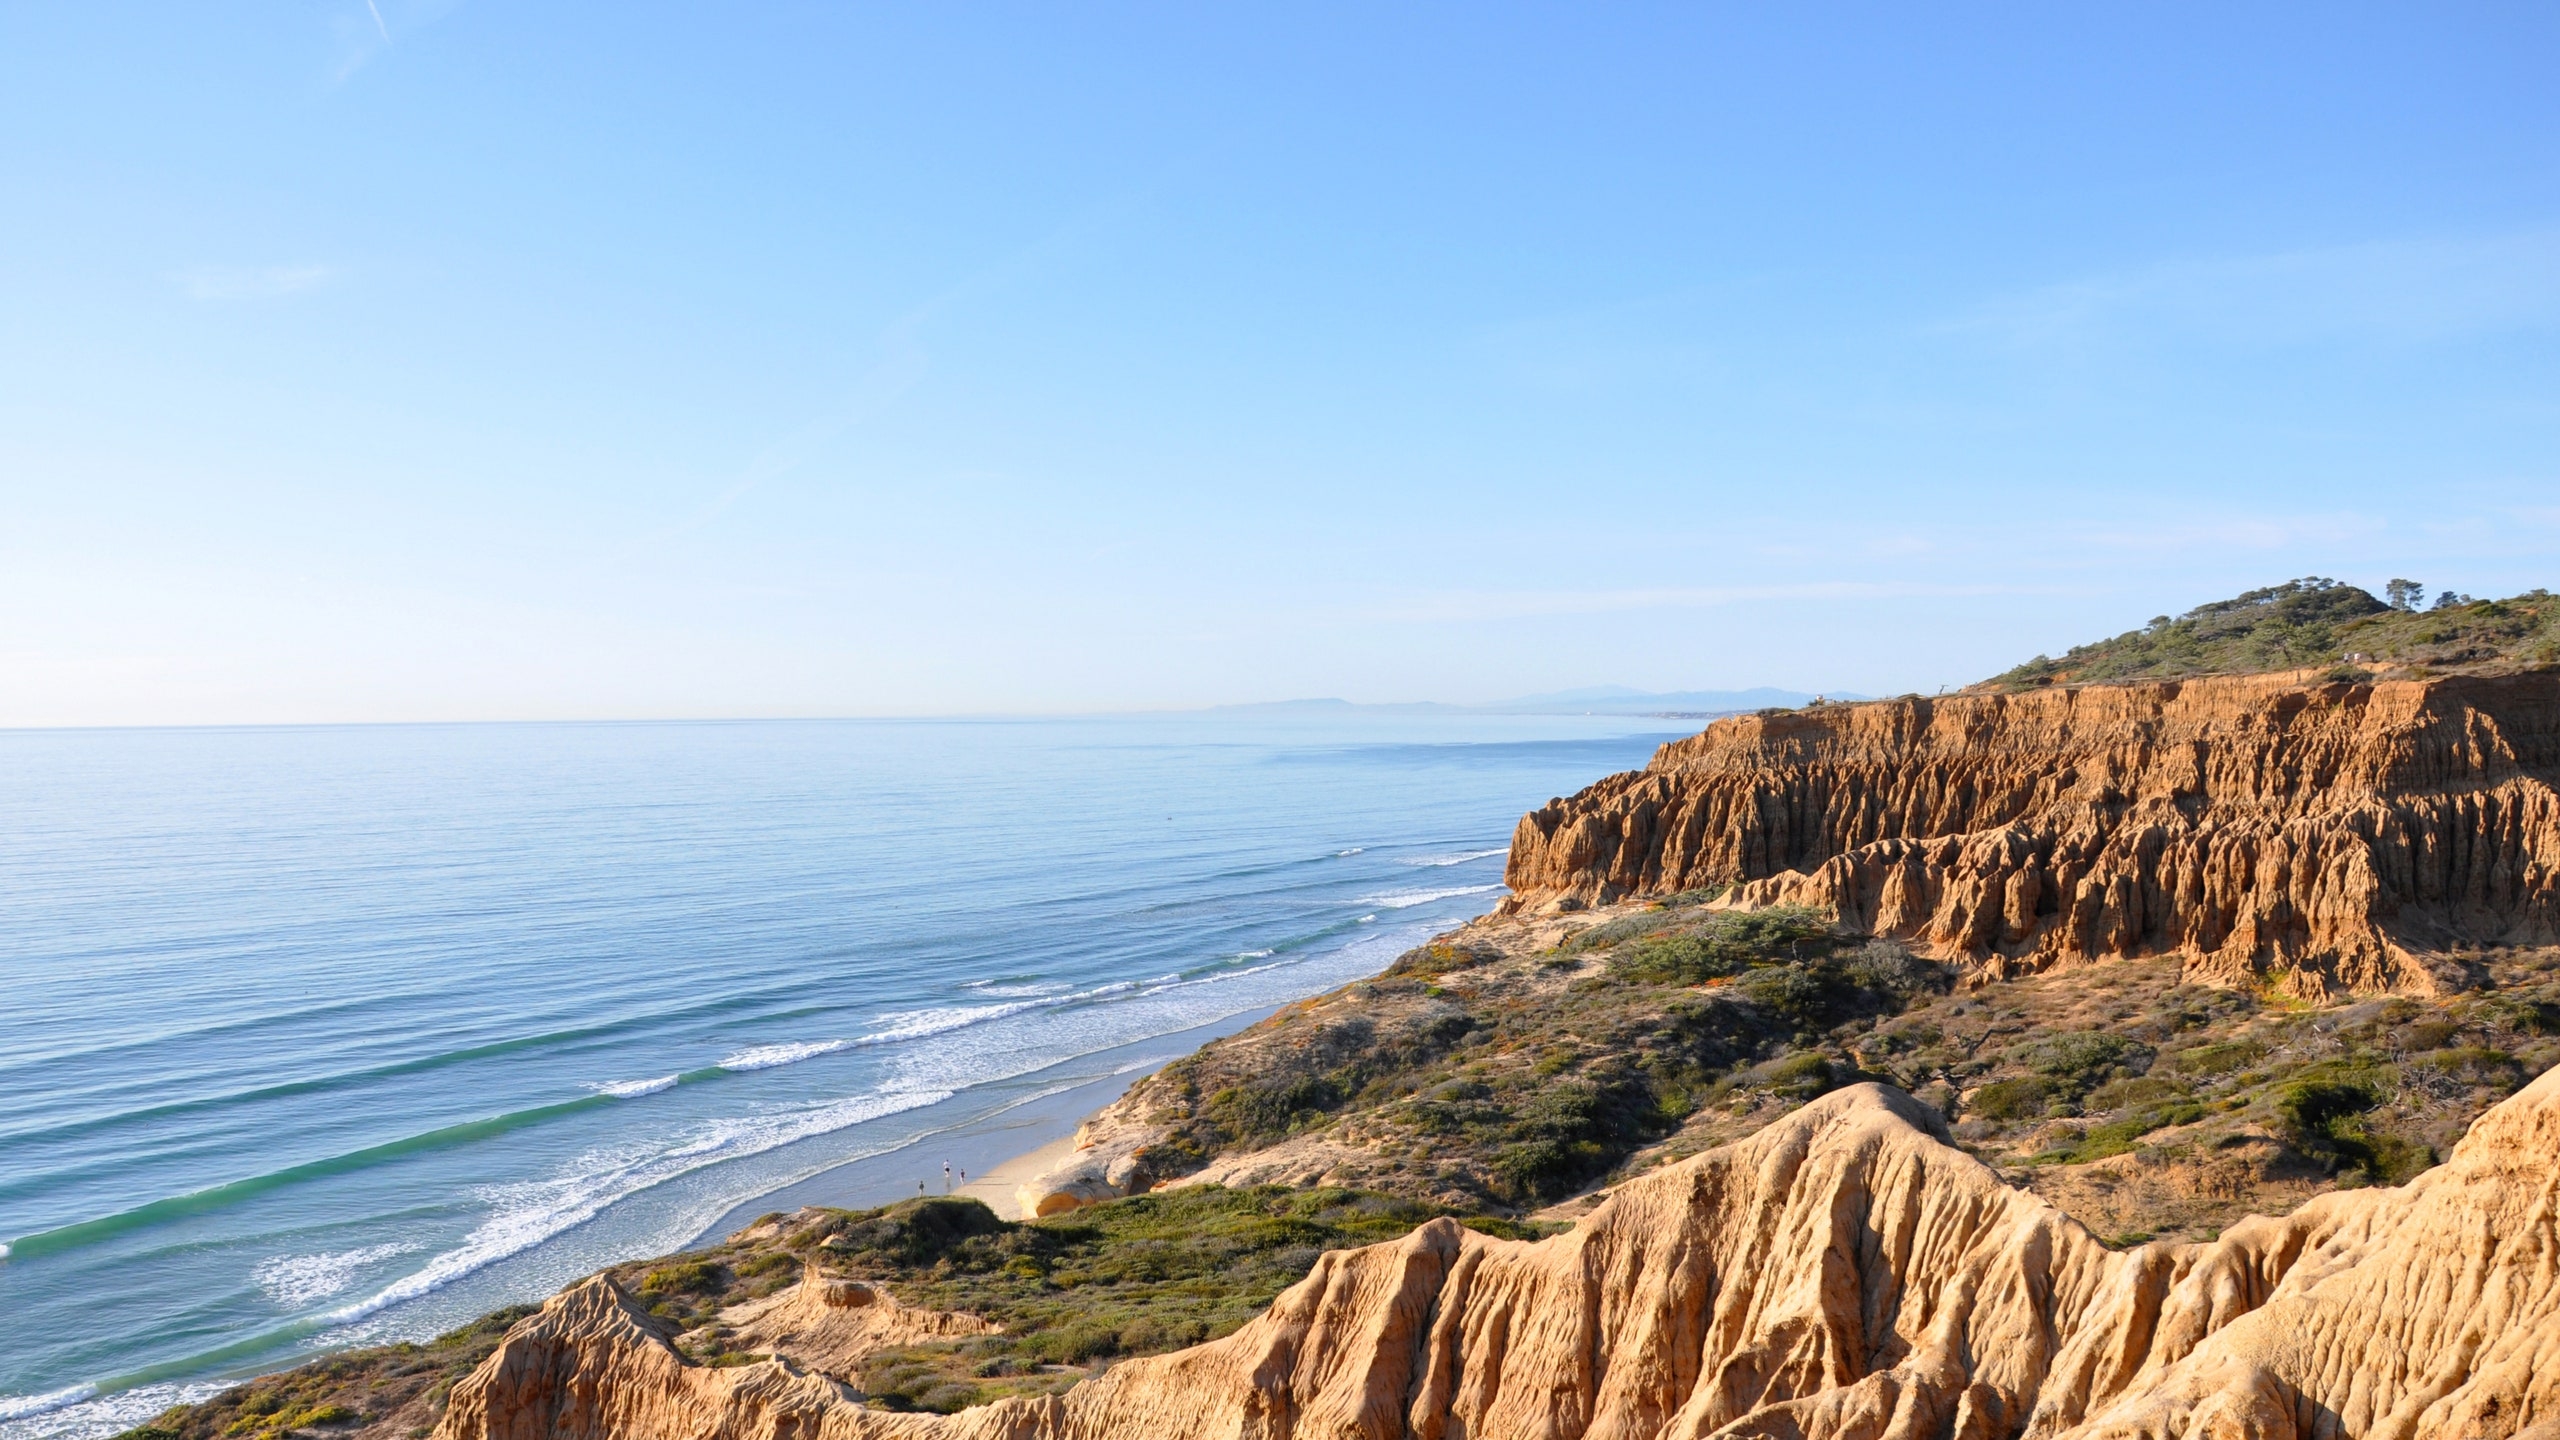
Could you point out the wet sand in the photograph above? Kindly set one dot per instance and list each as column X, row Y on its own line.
column 998, row 1148
column 996, row 1187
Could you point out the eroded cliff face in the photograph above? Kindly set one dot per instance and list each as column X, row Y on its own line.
column 2324, row 836
column 1842, row 1275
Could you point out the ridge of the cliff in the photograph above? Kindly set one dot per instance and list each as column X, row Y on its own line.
column 2365, row 835
column 1614, row 1045
column 1844, row 1274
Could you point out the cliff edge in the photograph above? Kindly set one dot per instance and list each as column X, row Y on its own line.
column 1844, row 1274
column 2353, row 835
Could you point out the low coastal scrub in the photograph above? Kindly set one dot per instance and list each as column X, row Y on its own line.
column 2315, row 622
column 1073, row 1293
column 1479, row 1080
column 1472, row 1076
column 1130, row 1277
column 394, row 1390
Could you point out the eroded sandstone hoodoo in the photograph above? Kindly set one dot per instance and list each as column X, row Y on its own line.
column 1842, row 1275
column 2324, row 835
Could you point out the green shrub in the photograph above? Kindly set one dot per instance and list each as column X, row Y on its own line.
column 1801, row 1076
column 2118, row 1136
column 1909, row 1036
column 2477, row 1065
column 2522, row 1013
column 915, row 1232
column 1888, row 972
column 1429, row 962
column 2138, row 1090
column 2327, row 1118
column 1726, row 944
column 694, row 1277
column 1276, row 1107
column 2079, row 1061
column 1149, row 1334
column 1803, row 996
column 2311, row 1108
column 2430, row 1034
column 2219, row 1058
column 2023, row 1098
column 1572, row 1130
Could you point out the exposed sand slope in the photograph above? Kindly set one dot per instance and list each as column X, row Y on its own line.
column 834, row 1325
column 1842, row 1275
column 2327, row 836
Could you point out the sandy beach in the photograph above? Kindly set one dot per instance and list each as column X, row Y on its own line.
column 996, row 1187
column 998, row 1147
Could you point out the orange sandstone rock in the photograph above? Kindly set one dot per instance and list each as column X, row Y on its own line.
column 1842, row 1275
column 2324, row 836
column 833, row 1325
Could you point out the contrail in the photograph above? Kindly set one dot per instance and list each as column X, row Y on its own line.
column 377, row 21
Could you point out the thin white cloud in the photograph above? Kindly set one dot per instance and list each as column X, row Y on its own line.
column 376, row 12
column 251, row 282
column 2217, row 534
column 2410, row 290
column 1448, row 606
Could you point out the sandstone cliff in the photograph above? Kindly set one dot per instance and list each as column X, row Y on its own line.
column 2343, row 835
column 1844, row 1273
column 834, row 1325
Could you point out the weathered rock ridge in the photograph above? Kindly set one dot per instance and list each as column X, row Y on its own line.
column 2323, row 835
column 1842, row 1275
column 834, row 1325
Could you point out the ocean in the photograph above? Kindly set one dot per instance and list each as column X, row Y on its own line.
column 324, row 1036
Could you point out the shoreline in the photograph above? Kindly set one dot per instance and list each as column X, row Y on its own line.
column 996, row 1187
column 998, row 1148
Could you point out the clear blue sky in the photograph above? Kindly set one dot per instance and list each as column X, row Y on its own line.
column 483, row 360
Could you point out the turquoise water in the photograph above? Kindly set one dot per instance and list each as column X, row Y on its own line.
column 323, row 1036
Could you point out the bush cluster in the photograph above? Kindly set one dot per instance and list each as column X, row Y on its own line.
column 2327, row 1118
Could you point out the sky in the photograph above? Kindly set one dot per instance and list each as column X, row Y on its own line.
column 427, row 361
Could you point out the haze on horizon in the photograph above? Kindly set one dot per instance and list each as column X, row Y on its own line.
column 419, row 361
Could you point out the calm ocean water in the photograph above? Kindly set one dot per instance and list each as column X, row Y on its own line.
column 323, row 1036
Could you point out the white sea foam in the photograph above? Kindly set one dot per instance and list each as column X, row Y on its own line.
column 1241, row 955
column 1162, row 983
column 18, row 1407
column 766, row 1057
column 634, row 1089
column 1354, row 850
column 1365, row 919
column 1407, row 899
column 294, row 1281
column 1459, row 859
column 899, row 1025
column 903, row 1025
column 87, row 1415
column 526, row 1215
column 983, row 1054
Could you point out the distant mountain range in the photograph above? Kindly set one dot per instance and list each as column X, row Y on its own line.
column 1593, row 700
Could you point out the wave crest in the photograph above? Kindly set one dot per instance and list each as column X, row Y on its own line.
column 1436, row 861
column 766, row 1057
column 1407, row 899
